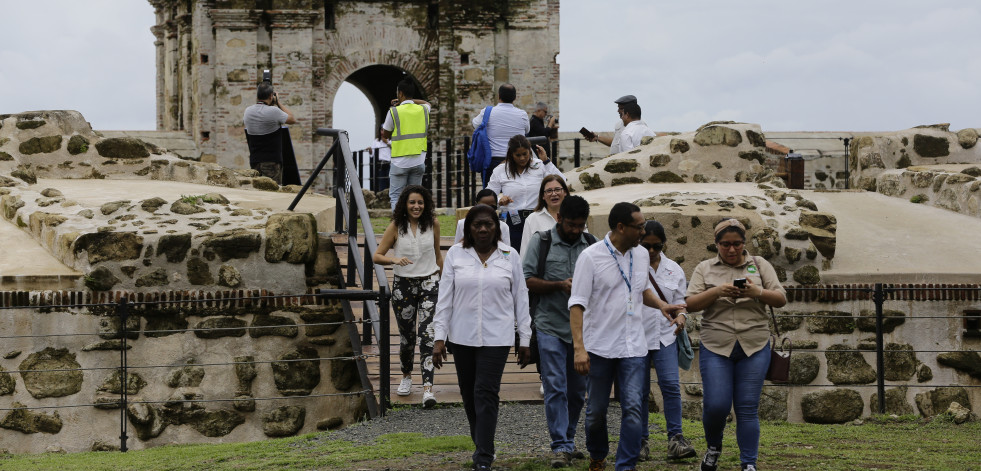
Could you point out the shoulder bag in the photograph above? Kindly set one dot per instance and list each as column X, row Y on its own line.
column 779, row 370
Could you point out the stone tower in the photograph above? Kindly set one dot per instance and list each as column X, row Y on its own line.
column 211, row 53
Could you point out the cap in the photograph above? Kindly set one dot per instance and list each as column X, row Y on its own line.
column 625, row 99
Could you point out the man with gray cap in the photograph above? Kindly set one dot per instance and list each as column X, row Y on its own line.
column 618, row 128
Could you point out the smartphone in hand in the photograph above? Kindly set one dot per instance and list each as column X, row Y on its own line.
column 739, row 283
column 587, row 133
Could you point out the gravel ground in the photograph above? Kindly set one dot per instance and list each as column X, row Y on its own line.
column 521, row 428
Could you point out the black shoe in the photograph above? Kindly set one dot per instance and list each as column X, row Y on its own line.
column 710, row 461
column 645, row 451
column 679, row 447
column 561, row 459
column 577, row 455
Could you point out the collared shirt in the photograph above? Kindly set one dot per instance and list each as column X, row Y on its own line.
column 418, row 247
column 552, row 316
column 671, row 279
column 598, row 286
column 631, row 136
column 405, row 161
column 261, row 119
column 480, row 303
column 540, row 220
column 384, row 150
column 505, row 232
column 506, row 121
column 617, row 131
column 523, row 187
column 729, row 320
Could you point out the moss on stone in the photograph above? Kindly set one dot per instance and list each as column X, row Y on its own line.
column 283, row 421
column 78, row 145
column 660, row 160
column 807, row 275
column 666, row 177
column 591, row 182
column 625, row 181
column 122, row 148
column 931, row 146
column 753, row 155
column 25, row 421
column 904, row 161
column 755, row 138
column 199, row 272
column 25, row 173
column 297, row 372
column 5, row 157
column 621, row 166
column 679, row 146
column 218, row 327
column 30, row 123
column 42, row 384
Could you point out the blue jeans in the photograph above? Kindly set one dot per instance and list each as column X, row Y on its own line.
column 733, row 382
column 401, row 177
column 629, row 375
column 565, row 390
column 665, row 363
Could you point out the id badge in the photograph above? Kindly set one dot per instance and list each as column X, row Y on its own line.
column 630, row 306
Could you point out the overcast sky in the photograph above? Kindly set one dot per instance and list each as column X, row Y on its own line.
column 834, row 65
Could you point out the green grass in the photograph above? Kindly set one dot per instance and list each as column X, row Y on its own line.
column 447, row 225
column 903, row 443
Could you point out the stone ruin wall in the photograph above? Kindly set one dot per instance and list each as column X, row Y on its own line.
column 239, row 366
column 210, row 56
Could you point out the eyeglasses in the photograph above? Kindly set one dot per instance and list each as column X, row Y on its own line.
column 655, row 247
column 727, row 245
column 639, row 227
column 482, row 225
column 555, row 191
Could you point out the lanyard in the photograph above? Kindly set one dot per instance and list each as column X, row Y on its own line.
column 624, row 276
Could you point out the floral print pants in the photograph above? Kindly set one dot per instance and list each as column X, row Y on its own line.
column 414, row 301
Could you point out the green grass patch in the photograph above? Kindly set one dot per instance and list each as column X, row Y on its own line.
column 447, row 225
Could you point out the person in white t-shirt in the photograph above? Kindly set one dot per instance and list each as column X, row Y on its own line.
column 634, row 130
column 418, row 260
column 550, row 195
column 614, row 142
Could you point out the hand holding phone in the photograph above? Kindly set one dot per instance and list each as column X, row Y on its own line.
column 739, row 283
column 587, row 133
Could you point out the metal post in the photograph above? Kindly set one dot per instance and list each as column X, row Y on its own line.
column 123, row 310
column 468, row 176
column 555, row 152
column 575, row 152
column 848, row 171
column 313, row 176
column 427, row 176
column 339, row 172
column 879, row 297
column 384, row 351
column 438, row 172
column 449, row 173
column 352, row 232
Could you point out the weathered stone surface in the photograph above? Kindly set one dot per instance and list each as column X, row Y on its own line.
column 230, row 327
column 106, row 345
column 152, row 204
column 113, row 383
column 789, row 320
column 78, row 145
column 333, row 319
column 229, row 276
column 831, row 322
column 122, row 148
column 753, row 156
column 679, row 146
column 937, row 401
column 238, row 243
column 11, row 203
column 157, row 277
column 291, row 238
column 245, row 372
column 183, row 207
column 620, row 166
column 100, row 279
column 7, row 383
column 965, row 362
column 332, row 423
column 589, row 181
column 51, row 193
column 112, row 207
column 283, row 421
column 297, row 378
column 804, row 368
column 891, row 319
column 213, row 423
column 25, row 421
column 147, row 419
column 40, row 145
column 174, row 247
column 42, row 384
column 189, row 375
column 755, row 138
column 344, row 373
column 244, row 403
column 717, row 135
column 899, row 362
column 285, row 327
column 931, row 146
column 100, row 445
column 792, row 254
column 5, row 157
column 625, row 181
column 198, row 272
column 807, row 275
column 967, row 138
column 762, row 242
column 836, row 406
column 959, row 413
column 265, row 184
column 666, row 177
column 896, row 402
column 848, row 367
column 110, row 246
column 32, row 122
column 12, row 354
column 691, row 410
column 773, row 403
column 163, row 322
column 923, row 373
column 24, row 173
column 110, row 327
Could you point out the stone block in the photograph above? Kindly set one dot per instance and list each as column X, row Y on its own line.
column 896, row 402
column 344, row 373
column 237, row 243
column 773, row 404
column 717, row 135
column 931, row 146
column 109, row 246
column 42, row 384
column 891, row 319
column 621, row 166
column 283, row 421
column 965, row 362
column 848, row 367
column 40, row 145
column 899, row 362
column 122, row 148
column 937, row 401
column 278, row 326
column 291, row 238
column 836, row 406
column 297, row 372
column 223, row 327
column 189, row 375
column 831, row 322
column 804, row 368
column 28, row 422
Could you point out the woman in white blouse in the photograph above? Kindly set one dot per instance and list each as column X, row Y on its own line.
column 550, row 195
column 670, row 285
column 482, row 297
column 517, row 182
column 418, row 260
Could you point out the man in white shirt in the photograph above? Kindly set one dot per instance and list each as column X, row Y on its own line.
column 609, row 285
column 634, row 130
column 614, row 143
column 506, row 121
column 381, row 149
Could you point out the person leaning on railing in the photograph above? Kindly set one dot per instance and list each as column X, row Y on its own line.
column 735, row 349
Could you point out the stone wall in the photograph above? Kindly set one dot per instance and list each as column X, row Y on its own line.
column 833, row 374
column 261, row 372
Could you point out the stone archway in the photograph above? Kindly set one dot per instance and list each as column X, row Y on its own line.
column 377, row 83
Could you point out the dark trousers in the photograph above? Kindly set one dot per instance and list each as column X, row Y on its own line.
column 382, row 177
column 478, row 371
column 486, row 174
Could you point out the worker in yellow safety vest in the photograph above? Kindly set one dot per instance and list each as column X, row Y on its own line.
column 406, row 125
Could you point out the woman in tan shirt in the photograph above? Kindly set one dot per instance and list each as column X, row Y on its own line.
column 733, row 291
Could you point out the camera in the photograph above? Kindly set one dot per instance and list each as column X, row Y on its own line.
column 739, row 283
column 267, row 76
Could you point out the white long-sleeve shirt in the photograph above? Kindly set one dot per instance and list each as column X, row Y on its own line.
column 523, row 187
column 631, row 136
column 480, row 303
column 506, row 121
column 599, row 287
column 671, row 279
column 505, row 232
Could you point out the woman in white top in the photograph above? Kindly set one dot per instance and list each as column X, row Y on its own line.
column 488, row 197
column 670, row 285
column 517, row 182
column 418, row 261
column 482, row 297
column 550, row 195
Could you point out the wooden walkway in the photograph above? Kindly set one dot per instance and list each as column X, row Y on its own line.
column 516, row 385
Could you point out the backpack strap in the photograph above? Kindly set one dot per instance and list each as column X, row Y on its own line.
column 773, row 316
column 546, row 245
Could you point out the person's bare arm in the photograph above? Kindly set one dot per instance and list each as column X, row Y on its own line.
column 436, row 244
column 539, row 286
column 290, row 119
column 388, row 240
column 581, row 357
column 606, row 141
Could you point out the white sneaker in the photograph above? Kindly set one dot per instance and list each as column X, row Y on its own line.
column 428, row 399
column 404, row 387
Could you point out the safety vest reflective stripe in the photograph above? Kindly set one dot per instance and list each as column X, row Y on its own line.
column 411, row 123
